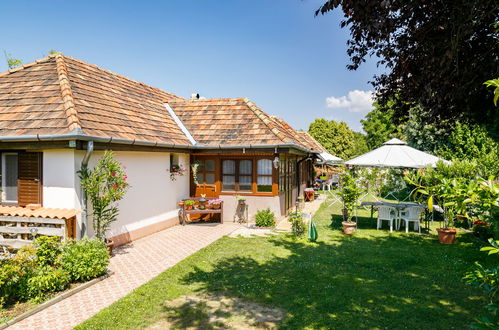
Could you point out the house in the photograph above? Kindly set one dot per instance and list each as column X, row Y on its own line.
column 59, row 114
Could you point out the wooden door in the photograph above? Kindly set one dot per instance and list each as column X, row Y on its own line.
column 29, row 181
column 206, row 176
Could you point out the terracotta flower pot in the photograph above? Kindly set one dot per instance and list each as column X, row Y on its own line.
column 188, row 206
column 349, row 227
column 446, row 236
column 110, row 245
column 215, row 206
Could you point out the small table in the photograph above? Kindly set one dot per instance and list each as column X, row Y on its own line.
column 309, row 195
column 398, row 206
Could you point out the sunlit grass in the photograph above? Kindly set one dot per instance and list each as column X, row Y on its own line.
column 374, row 279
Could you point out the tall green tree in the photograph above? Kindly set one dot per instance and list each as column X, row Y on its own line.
column 436, row 54
column 336, row 137
column 379, row 125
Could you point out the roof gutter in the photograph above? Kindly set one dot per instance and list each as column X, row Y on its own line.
column 78, row 135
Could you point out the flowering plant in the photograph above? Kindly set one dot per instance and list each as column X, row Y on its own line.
column 215, row 201
column 104, row 186
column 176, row 170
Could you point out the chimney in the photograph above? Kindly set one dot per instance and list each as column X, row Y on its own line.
column 195, row 96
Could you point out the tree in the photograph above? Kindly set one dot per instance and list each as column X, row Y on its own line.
column 336, row 137
column 359, row 145
column 437, row 54
column 379, row 125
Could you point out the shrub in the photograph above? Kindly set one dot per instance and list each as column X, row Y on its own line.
column 85, row 259
column 265, row 218
column 487, row 279
column 47, row 279
column 47, row 250
column 14, row 276
column 297, row 223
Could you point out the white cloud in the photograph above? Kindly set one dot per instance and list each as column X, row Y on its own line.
column 355, row 101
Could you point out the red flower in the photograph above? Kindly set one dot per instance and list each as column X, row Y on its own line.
column 115, row 186
column 113, row 174
column 125, row 177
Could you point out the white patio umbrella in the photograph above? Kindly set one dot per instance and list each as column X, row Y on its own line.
column 327, row 158
column 395, row 153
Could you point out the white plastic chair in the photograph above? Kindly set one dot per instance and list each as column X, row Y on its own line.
column 411, row 214
column 327, row 184
column 386, row 213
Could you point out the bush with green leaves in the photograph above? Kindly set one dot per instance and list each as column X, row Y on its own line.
column 297, row 223
column 48, row 249
column 14, row 276
column 265, row 218
column 47, row 279
column 487, row 279
column 84, row 259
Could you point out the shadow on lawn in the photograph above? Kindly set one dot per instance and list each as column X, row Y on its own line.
column 404, row 281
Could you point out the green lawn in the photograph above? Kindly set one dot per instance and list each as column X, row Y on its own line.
column 371, row 280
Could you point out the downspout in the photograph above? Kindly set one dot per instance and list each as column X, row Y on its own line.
column 84, row 214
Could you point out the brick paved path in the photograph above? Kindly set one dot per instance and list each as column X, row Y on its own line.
column 134, row 265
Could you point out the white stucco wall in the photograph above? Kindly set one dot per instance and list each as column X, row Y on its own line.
column 59, row 183
column 152, row 197
column 255, row 203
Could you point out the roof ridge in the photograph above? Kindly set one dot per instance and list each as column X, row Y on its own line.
column 122, row 76
column 261, row 115
column 66, row 93
column 27, row 65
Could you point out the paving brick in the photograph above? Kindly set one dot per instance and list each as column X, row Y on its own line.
column 133, row 265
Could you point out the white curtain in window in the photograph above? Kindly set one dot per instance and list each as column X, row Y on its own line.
column 264, row 167
column 229, row 167
column 245, row 167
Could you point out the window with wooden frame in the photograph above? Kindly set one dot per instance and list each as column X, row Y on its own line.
column 206, row 171
column 237, row 175
column 21, row 178
column 264, row 175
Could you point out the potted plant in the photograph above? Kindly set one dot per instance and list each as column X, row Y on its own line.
column 202, row 202
column 176, row 171
column 241, row 200
column 189, row 204
column 215, row 203
column 349, row 195
column 104, row 186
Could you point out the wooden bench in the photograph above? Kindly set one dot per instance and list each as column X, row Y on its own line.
column 183, row 212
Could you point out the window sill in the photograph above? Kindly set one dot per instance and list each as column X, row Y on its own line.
column 234, row 193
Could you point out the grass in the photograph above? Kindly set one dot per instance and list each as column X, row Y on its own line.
column 374, row 279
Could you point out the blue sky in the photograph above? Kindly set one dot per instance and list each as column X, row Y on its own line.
column 275, row 52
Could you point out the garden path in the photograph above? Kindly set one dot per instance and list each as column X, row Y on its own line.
column 133, row 265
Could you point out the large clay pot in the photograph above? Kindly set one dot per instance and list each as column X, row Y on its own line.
column 349, row 227
column 446, row 236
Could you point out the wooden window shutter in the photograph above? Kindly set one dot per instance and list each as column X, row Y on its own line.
column 29, row 181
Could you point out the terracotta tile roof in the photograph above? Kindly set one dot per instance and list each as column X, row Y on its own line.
column 59, row 94
column 239, row 121
column 41, row 212
column 62, row 95
column 311, row 142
